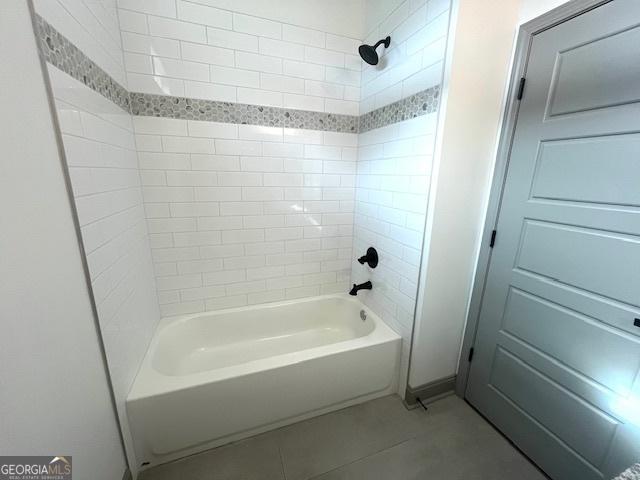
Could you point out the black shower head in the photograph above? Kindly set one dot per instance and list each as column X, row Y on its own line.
column 368, row 52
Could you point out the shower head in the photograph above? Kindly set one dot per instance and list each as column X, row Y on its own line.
column 368, row 52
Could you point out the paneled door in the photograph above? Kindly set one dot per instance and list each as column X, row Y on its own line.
column 557, row 352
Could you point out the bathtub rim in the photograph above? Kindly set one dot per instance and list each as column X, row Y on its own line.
column 149, row 382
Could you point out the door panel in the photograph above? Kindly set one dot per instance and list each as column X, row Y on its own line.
column 530, row 318
column 581, row 84
column 557, row 354
column 604, row 310
column 573, row 380
column 538, row 442
column 582, row 427
column 597, row 261
column 573, row 170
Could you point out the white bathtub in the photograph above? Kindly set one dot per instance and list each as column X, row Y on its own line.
column 216, row 377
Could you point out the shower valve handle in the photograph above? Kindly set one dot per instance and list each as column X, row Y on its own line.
column 371, row 258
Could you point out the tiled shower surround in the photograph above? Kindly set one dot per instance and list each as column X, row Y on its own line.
column 394, row 168
column 245, row 214
column 268, row 156
column 395, row 157
column 240, row 113
column 60, row 52
column 191, row 49
column 101, row 155
column 415, row 58
column 88, row 79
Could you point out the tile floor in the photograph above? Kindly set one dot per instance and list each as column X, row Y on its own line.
column 376, row 440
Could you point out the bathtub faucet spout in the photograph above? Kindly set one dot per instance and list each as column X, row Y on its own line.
column 363, row 286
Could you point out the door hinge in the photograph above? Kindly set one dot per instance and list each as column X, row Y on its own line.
column 493, row 238
column 470, row 354
column 521, row 88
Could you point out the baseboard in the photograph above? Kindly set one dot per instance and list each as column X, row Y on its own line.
column 429, row 392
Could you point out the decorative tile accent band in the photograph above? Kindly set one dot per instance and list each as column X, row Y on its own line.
column 418, row 104
column 227, row 112
column 61, row 53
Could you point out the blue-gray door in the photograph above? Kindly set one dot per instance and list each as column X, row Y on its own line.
column 557, row 355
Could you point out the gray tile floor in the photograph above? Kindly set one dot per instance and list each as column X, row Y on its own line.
column 376, row 440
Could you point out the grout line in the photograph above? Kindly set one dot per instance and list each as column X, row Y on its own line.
column 257, row 36
column 361, row 458
column 94, row 38
column 232, row 12
column 108, row 216
column 119, row 189
column 284, row 473
column 100, row 116
column 121, row 233
column 410, row 438
column 106, row 167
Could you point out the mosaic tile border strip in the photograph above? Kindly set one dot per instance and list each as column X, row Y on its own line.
column 61, row 53
column 416, row 105
column 227, row 112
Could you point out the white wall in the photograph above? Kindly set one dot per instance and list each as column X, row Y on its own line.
column 198, row 51
column 530, row 9
column 474, row 90
column 244, row 214
column 479, row 62
column 54, row 397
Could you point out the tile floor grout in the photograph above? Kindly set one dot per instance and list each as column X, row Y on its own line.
column 370, row 454
column 284, row 473
column 362, row 458
column 282, row 462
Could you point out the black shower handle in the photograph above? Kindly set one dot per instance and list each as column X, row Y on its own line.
column 371, row 258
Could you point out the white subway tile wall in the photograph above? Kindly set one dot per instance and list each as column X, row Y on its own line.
column 394, row 163
column 243, row 214
column 414, row 61
column 100, row 150
column 195, row 50
column 393, row 181
column 92, row 27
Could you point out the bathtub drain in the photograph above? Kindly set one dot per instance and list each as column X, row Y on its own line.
column 363, row 315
